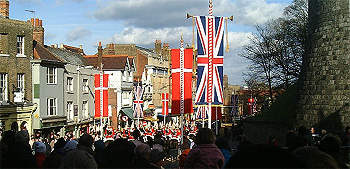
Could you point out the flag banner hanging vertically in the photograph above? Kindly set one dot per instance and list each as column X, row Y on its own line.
column 101, row 95
column 165, row 104
column 181, row 76
column 138, row 101
column 201, row 113
column 234, row 103
column 210, row 33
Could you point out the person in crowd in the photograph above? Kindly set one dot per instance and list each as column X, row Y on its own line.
column 40, row 153
column 185, row 148
column 262, row 156
column 346, row 144
column 205, row 154
column 70, row 145
column 224, row 146
column 143, row 157
column 311, row 157
column 99, row 151
column 82, row 157
column 331, row 144
column 119, row 154
column 136, row 134
column 15, row 149
column 55, row 158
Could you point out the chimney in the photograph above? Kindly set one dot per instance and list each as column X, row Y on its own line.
column 80, row 46
column 4, row 8
column 99, row 55
column 62, row 46
column 158, row 47
column 165, row 50
column 38, row 32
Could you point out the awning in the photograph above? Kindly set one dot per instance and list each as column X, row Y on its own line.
column 128, row 112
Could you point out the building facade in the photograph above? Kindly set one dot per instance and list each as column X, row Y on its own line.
column 78, row 87
column 120, row 69
column 16, row 51
column 152, row 69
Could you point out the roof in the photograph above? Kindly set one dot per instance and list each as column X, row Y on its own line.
column 42, row 53
column 68, row 56
column 109, row 62
column 74, row 49
column 147, row 51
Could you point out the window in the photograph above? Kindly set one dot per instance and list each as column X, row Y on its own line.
column 85, row 85
column 85, row 109
column 3, row 87
column 51, row 106
column 20, row 82
column 51, row 75
column 69, row 84
column 20, row 45
column 70, row 113
column 125, row 95
column 4, row 44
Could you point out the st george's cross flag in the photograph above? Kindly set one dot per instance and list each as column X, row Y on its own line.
column 101, row 95
column 210, row 33
column 181, row 75
column 165, row 104
column 138, row 101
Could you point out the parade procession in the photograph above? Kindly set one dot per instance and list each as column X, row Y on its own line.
column 142, row 84
column 194, row 93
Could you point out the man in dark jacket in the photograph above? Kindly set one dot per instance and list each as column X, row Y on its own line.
column 82, row 157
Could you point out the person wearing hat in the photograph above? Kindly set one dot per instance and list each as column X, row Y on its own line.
column 40, row 153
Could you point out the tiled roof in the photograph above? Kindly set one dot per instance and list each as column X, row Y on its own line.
column 41, row 52
column 74, row 49
column 109, row 62
column 68, row 56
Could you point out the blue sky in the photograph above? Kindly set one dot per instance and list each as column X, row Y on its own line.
column 85, row 22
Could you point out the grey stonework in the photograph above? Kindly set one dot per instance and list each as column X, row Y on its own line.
column 324, row 86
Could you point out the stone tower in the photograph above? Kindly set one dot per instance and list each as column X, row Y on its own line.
column 324, row 86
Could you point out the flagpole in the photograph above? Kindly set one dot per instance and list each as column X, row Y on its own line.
column 216, row 120
column 182, row 89
column 101, row 101
column 203, row 119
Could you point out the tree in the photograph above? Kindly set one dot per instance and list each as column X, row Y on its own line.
column 276, row 49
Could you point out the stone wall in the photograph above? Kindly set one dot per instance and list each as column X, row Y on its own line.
column 324, row 87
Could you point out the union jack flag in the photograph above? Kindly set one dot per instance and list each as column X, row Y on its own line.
column 210, row 33
column 138, row 102
column 202, row 112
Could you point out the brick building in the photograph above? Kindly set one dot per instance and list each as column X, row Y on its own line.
column 16, row 51
column 152, row 68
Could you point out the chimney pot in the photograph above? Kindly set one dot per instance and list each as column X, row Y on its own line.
column 99, row 44
column 36, row 22
column 81, row 46
column 61, row 46
column 4, row 8
column 32, row 21
column 40, row 22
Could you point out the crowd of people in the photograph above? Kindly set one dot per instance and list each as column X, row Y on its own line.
column 202, row 149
